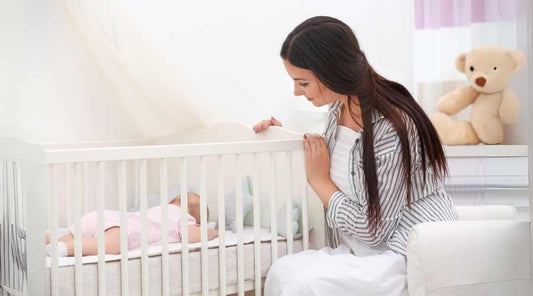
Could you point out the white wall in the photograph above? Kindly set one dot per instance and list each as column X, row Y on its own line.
column 53, row 91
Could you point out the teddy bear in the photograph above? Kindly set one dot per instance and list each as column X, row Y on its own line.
column 488, row 68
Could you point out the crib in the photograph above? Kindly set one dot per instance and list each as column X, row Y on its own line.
column 49, row 188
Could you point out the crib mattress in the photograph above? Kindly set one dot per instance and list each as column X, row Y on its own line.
column 66, row 271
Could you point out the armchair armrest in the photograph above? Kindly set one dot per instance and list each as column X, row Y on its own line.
column 469, row 258
column 494, row 212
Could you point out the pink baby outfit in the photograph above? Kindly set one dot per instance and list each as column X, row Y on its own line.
column 89, row 225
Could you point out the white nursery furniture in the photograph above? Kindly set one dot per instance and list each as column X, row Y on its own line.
column 486, row 253
column 50, row 188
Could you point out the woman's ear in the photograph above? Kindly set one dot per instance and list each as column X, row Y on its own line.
column 460, row 62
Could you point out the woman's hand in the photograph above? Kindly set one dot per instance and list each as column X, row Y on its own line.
column 317, row 160
column 317, row 164
column 264, row 124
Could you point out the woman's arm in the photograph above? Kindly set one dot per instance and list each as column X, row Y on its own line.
column 351, row 216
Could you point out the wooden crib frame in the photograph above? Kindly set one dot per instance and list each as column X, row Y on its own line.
column 39, row 169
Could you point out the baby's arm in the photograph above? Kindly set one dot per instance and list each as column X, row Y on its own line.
column 195, row 236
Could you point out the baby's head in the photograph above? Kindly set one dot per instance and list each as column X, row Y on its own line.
column 193, row 205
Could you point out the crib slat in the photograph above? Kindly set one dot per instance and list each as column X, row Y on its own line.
column 136, row 180
column 3, row 225
column 288, row 204
column 76, row 204
column 5, row 228
column 239, row 218
column 3, row 233
column 22, row 200
column 143, row 192
column 22, row 211
column 10, row 261
column 8, row 239
column 68, row 195
column 17, row 190
column 21, row 221
column 221, row 227
column 164, row 227
column 86, row 187
column 305, row 206
column 5, row 180
column 11, row 237
column 257, row 224
column 273, row 218
column 203, row 226
column 123, row 227
column 101, row 225
column 52, row 218
column 184, row 229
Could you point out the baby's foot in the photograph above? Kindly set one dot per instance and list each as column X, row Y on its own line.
column 65, row 238
column 62, row 250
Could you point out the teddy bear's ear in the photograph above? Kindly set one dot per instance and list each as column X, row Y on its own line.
column 460, row 62
column 518, row 57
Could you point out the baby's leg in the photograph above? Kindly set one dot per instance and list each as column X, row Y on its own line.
column 64, row 238
column 89, row 245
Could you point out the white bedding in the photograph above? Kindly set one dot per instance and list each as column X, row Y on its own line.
column 113, row 266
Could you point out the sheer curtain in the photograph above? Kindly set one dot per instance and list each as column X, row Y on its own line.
column 446, row 28
column 146, row 84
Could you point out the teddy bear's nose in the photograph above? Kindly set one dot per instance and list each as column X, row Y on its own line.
column 481, row 81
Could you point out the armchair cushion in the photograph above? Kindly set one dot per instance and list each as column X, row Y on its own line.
column 493, row 212
column 468, row 258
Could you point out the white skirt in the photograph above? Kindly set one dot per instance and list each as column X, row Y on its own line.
column 337, row 272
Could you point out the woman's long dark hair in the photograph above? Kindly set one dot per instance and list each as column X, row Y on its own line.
column 329, row 48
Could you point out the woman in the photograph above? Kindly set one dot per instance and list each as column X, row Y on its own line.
column 378, row 168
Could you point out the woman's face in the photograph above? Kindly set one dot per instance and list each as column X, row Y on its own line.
column 308, row 85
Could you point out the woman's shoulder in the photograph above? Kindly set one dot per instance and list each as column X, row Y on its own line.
column 383, row 126
column 386, row 136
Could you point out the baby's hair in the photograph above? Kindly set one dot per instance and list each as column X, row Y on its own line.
column 193, row 205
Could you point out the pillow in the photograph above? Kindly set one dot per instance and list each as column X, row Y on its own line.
column 231, row 203
column 282, row 220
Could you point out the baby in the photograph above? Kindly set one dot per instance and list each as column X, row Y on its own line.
column 89, row 227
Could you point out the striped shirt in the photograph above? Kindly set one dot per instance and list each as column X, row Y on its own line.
column 429, row 201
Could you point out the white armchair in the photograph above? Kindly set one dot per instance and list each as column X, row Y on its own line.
column 485, row 253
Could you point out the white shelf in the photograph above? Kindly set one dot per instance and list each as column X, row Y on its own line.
column 483, row 151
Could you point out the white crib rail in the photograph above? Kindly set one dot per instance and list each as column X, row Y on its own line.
column 52, row 222
column 221, row 226
column 12, row 234
column 257, row 225
column 77, row 161
column 164, row 229
column 22, row 222
column 76, row 211
column 203, row 226
column 124, row 229
column 273, row 218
